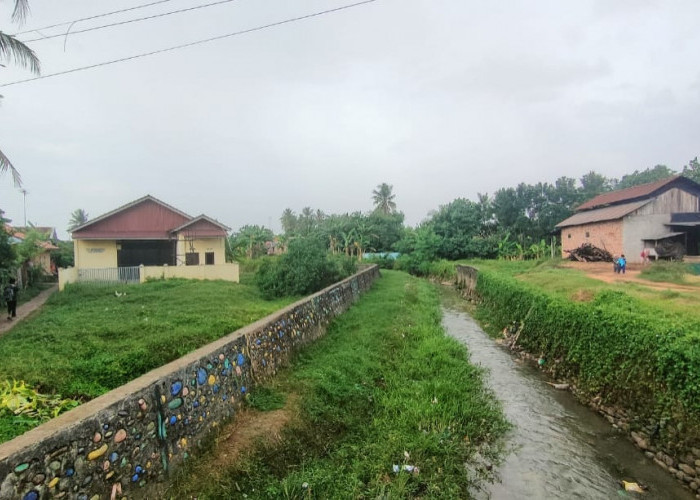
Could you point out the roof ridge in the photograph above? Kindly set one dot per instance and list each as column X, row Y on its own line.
column 129, row 205
column 622, row 195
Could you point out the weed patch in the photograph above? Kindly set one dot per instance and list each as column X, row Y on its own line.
column 385, row 387
column 667, row 272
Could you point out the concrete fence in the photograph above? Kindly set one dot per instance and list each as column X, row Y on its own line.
column 466, row 280
column 126, row 442
column 139, row 274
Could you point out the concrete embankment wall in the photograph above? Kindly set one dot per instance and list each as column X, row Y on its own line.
column 630, row 401
column 124, row 443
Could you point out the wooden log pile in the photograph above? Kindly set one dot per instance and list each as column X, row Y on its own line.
column 589, row 253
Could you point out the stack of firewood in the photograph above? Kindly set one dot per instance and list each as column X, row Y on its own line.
column 589, row 253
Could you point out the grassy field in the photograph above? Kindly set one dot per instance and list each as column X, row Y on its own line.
column 554, row 277
column 87, row 340
column 385, row 388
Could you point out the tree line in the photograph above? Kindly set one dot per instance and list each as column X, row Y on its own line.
column 514, row 222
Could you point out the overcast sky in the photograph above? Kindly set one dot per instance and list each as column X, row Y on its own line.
column 441, row 98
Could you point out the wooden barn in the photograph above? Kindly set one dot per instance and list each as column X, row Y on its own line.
column 661, row 217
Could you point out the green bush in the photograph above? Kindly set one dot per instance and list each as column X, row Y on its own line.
column 305, row 268
column 614, row 346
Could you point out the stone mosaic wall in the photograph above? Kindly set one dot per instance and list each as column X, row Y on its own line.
column 124, row 444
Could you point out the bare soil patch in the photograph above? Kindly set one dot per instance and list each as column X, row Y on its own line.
column 249, row 428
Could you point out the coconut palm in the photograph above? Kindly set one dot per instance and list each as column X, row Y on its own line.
column 20, row 54
column 77, row 218
column 384, row 199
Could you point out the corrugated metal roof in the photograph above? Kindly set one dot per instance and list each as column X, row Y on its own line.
column 602, row 214
column 661, row 236
column 627, row 194
column 134, row 203
column 199, row 219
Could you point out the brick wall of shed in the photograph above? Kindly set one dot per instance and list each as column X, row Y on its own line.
column 606, row 235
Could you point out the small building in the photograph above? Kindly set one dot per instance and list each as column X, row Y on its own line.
column 157, row 238
column 655, row 217
column 45, row 245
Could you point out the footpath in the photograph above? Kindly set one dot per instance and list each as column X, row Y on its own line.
column 24, row 310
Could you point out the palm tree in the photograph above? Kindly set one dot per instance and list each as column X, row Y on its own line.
column 13, row 50
column 77, row 218
column 289, row 221
column 384, row 199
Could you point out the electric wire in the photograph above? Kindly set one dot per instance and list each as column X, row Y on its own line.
column 190, row 44
column 96, row 16
column 128, row 21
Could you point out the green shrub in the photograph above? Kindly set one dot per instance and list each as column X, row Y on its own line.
column 613, row 346
column 305, row 268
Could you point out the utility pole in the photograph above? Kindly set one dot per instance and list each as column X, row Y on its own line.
column 24, row 194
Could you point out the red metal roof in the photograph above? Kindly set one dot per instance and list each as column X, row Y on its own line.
column 628, row 194
column 146, row 218
column 203, row 226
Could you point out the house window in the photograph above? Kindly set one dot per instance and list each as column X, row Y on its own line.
column 209, row 258
column 588, row 234
column 192, row 259
column 569, row 236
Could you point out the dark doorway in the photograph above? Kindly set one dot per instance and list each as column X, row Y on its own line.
column 146, row 252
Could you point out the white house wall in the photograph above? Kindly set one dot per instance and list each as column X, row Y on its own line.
column 637, row 227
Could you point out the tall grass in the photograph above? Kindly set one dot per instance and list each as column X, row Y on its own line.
column 88, row 340
column 384, row 388
column 667, row 272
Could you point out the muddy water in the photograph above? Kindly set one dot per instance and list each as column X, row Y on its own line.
column 558, row 448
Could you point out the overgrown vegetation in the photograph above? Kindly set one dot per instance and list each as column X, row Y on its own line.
column 305, row 268
column 383, row 390
column 87, row 340
column 669, row 272
column 266, row 399
column 22, row 408
column 631, row 351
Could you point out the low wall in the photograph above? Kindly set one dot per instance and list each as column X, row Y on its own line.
column 65, row 276
column 466, row 280
column 228, row 272
column 124, row 443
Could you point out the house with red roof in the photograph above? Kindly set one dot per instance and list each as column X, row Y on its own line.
column 658, row 217
column 156, row 237
column 45, row 246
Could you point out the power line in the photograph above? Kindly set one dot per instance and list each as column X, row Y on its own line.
column 154, row 16
column 136, row 7
column 191, row 44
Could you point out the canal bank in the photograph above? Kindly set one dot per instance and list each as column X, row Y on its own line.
column 558, row 448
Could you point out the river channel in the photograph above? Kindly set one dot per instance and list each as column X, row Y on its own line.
column 557, row 448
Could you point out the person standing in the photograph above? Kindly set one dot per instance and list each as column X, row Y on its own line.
column 622, row 263
column 10, row 295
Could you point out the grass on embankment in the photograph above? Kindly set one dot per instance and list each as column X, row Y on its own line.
column 632, row 352
column 385, row 387
column 86, row 341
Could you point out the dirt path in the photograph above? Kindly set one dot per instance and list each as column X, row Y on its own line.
column 25, row 310
column 248, row 428
column 603, row 271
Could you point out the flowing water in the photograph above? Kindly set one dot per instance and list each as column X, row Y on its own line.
column 557, row 448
